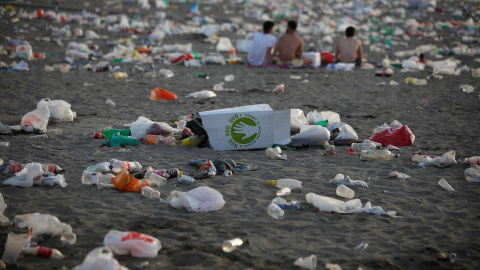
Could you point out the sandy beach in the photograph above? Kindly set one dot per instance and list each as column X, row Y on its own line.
column 430, row 219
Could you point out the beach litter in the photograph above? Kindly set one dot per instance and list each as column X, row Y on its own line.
column 132, row 243
column 201, row 199
column 309, row 262
column 100, row 258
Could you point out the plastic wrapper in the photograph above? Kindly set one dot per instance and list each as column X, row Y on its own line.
column 297, row 120
column 314, row 117
column 4, row 221
column 119, row 140
column 204, row 94
column 36, row 120
column 125, row 182
column 100, row 258
column 340, row 179
column 224, row 45
column 134, row 243
column 160, row 128
column 24, row 178
column 377, row 210
column 275, row 153
column 55, row 179
column 447, row 159
column 326, row 204
column 200, row 199
column 60, row 110
column 399, row 135
column 399, row 175
column 46, row 224
column 311, row 135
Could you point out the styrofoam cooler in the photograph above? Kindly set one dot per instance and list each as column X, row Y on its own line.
column 313, row 55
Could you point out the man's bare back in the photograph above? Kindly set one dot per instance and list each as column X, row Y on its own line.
column 290, row 47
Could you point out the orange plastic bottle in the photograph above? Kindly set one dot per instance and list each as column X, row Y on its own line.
column 162, row 94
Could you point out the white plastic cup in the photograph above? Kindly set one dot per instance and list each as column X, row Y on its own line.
column 344, row 191
column 13, row 248
column 445, row 185
column 307, row 262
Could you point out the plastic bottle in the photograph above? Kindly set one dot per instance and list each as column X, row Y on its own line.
column 366, row 146
column 284, row 191
column 4, row 129
column 150, row 193
column 445, row 185
column 345, row 192
column 117, row 165
column 377, row 154
column 193, row 140
column 45, row 252
column 232, row 244
column 120, row 75
column 286, row 182
column 155, row 180
column 275, row 211
column 95, row 178
column 103, row 167
column 185, row 179
column 42, row 136
column 102, row 187
column 415, row 81
column 229, row 78
column 168, row 173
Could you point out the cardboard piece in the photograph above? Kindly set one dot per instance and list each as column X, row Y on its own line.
column 246, row 127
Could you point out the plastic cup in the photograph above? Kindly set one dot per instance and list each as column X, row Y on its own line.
column 307, row 262
column 13, row 247
column 345, row 192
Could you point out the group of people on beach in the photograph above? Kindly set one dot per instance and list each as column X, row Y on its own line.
column 288, row 49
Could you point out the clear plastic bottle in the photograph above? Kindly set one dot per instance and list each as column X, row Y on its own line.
column 275, row 211
column 232, row 244
column 150, row 193
column 185, row 179
column 345, row 192
column 366, row 146
column 286, row 182
column 102, row 187
column 284, row 191
column 103, row 167
column 4, row 144
column 229, row 78
column 42, row 136
column 96, row 178
column 377, row 154
column 415, row 81
column 155, row 180
column 131, row 166
column 45, row 252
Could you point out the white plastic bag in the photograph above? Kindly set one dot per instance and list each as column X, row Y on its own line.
column 377, row 210
column 472, row 174
column 274, row 153
column 101, row 258
column 313, row 117
column 225, row 45
column 137, row 244
column 53, row 179
column 140, row 126
column 36, row 119
column 446, row 160
column 331, row 117
column 25, row 177
column 204, row 94
column 60, row 110
column 4, row 221
column 46, row 224
column 346, row 132
column 326, row 204
column 311, row 135
column 297, row 120
column 200, row 199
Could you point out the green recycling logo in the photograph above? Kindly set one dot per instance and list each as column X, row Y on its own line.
column 244, row 130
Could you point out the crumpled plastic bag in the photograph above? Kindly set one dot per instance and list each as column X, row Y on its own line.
column 134, row 243
column 447, row 159
column 120, row 141
column 314, row 118
column 472, row 174
column 274, row 153
column 399, row 135
column 100, row 258
column 205, row 170
column 4, row 221
column 342, row 131
column 327, row 204
column 204, row 94
column 36, row 120
column 311, row 135
column 224, row 45
column 160, row 128
column 200, row 199
column 140, row 126
column 46, row 224
column 52, row 179
column 340, row 179
column 331, row 117
column 60, row 110
column 26, row 176
column 297, row 120
column 377, row 210
column 125, row 182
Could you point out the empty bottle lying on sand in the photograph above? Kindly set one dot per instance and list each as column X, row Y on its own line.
column 377, row 154
column 12, row 166
column 232, row 244
column 168, row 173
column 415, row 81
column 284, row 191
column 131, row 166
column 45, row 252
column 445, row 185
column 282, row 203
column 103, row 167
column 185, row 179
column 345, row 192
column 366, row 146
column 96, row 178
column 150, row 193
column 275, row 211
column 286, row 182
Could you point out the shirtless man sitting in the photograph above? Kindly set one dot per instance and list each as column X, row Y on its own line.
column 290, row 48
column 349, row 49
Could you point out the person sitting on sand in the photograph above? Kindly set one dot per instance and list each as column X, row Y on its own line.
column 349, row 48
column 262, row 46
column 290, row 48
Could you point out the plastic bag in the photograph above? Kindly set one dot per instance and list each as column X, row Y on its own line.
column 140, row 126
column 100, row 258
column 25, row 177
column 53, row 179
column 4, row 221
column 224, row 45
column 472, row 174
column 326, row 204
column 311, row 135
column 134, row 243
column 297, row 120
column 344, row 131
column 205, row 170
column 314, row 117
column 46, row 224
column 331, row 117
column 446, row 160
column 396, row 136
column 204, row 94
column 127, row 183
column 160, row 128
column 274, row 153
column 60, row 110
column 36, row 120
column 200, row 199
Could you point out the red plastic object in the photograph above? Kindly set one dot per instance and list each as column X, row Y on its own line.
column 40, row 13
column 351, row 151
column 396, row 136
column 162, row 94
